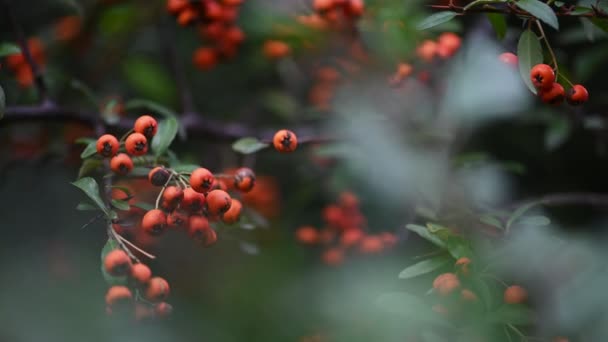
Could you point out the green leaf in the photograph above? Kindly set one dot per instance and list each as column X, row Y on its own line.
column 499, row 23
column 144, row 206
column 167, row 131
column 425, row 234
column 424, row 266
column 84, row 141
column 7, row 49
column 483, row 290
column 519, row 212
column 535, row 220
column 434, row 227
column 185, row 167
column 511, row 314
column 491, row 220
column 436, row 19
column 529, row 53
column 151, row 105
column 557, row 132
column 2, row 102
column 601, row 23
column 86, row 91
column 120, row 204
column 111, row 245
column 149, row 79
column 89, row 186
column 458, row 247
column 256, row 218
column 248, row 145
column 90, row 150
column 83, row 206
column 540, row 10
column 88, row 166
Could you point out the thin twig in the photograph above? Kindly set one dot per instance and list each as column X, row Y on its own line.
column 544, row 37
column 132, row 245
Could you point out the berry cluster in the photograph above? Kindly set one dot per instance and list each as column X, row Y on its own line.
column 543, row 77
column 337, row 14
column 428, row 51
column 216, row 24
column 142, row 294
column 18, row 63
column 345, row 230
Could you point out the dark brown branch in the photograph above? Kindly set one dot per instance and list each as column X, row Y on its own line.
column 21, row 39
column 512, row 10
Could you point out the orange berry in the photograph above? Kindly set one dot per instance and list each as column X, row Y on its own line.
column 193, row 201
column 463, row 265
column 136, row 144
column 244, row 179
column 234, row 35
column 355, row 8
column 234, row 213
column 146, row 125
column 177, row 220
column 348, row 200
column 327, row 74
column 141, row 274
column 117, row 263
column 204, row 58
column 67, row 28
column 554, row 95
column 322, row 5
column 333, row 256
column 285, row 141
column 172, row 196
column 229, row 14
column 307, row 235
column 187, row 16
column 445, row 283
column 201, row 180
column 275, row 49
column 404, row 70
column 212, row 31
column 154, row 222
column 163, row 309
column 427, row 50
column 468, row 295
column 509, row 59
column 542, row 76
column 450, row 42
column 218, row 202
column 515, row 294
column 121, row 164
column 176, row 6
column 157, row 290
column 351, row 237
column 200, row 231
column 118, row 295
column 389, row 239
column 371, row 244
column 213, row 10
column 158, row 176
column 107, row 145
column 577, row 95
column 332, row 214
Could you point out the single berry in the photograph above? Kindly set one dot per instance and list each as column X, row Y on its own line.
column 118, row 295
column 371, row 244
column 275, row 49
column 463, row 265
column 355, row 8
column 136, row 144
column 193, row 201
column 121, row 164
column 177, row 219
column 218, row 202
column 468, row 295
column 205, row 58
column 285, row 141
column 107, row 145
column 348, row 200
column 515, row 294
column 577, row 95
column 201, row 180
column 445, row 283
column 542, row 76
column 163, row 309
column 154, row 222
column 509, row 59
column 199, row 230
column 176, row 6
column 554, row 95
column 173, row 195
column 141, row 274
column 157, row 290
column 351, row 237
column 234, row 213
column 244, row 179
column 307, row 235
column 427, row 50
column 146, row 125
column 333, row 256
column 117, row 263
column 159, row 176
column 448, row 44
column 187, row 16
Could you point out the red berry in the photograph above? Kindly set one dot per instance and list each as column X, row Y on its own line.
column 201, row 180
column 285, row 141
column 121, row 164
column 542, row 76
column 107, row 145
column 141, row 274
column 154, row 222
column 577, row 95
column 117, row 263
column 218, row 202
column 509, row 59
column 136, row 144
column 146, row 125
column 554, row 95
column 193, row 201
column 157, row 290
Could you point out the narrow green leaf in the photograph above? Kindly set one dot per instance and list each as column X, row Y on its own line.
column 458, row 247
column 89, row 151
column 89, row 166
column 511, row 314
column 425, row 234
column 483, row 290
column 248, row 145
column 518, row 213
column 540, row 10
column 499, row 23
column 424, row 266
column 83, row 206
column 2, row 102
column 89, row 186
column 121, row 204
column 601, row 23
column 529, row 53
column 434, row 227
column 7, row 49
column 185, row 167
column 491, row 220
column 535, row 220
column 436, row 19
column 144, row 206
column 84, row 141
column 557, row 132
column 151, row 105
column 167, row 131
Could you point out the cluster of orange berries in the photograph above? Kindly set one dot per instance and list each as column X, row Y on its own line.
column 147, row 292
column 216, row 23
column 334, row 13
column 18, row 64
column 428, row 51
column 344, row 231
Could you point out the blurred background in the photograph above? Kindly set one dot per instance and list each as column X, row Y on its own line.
column 462, row 134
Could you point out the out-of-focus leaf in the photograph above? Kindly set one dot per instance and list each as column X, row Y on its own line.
column 518, row 213
column 144, row 206
column 185, row 167
column 491, row 220
column 426, row 212
column 83, row 206
column 424, row 267
column 151, row 105
column 256, row 218
column 425, row 234
column 280, row 103
column 434, row 227
column 436, row 19
column 429, row 336
column 118, row 20
column 600, row 23
column 86, row 91
column 89, row 186
column 90, row 150
column 535, row 220
column 483, row 291
column 529, row 53
column 458, row 247
column 540, row 10
column 511, row 314
column 248, row 145
column 149, row 79
column 7, row 49
column 249, row 248
column 557, row 132
column 120, row 204
column 499, row 23
column 88, row 166
column 167, row 131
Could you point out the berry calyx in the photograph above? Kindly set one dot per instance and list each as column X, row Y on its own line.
column 244, row 179
column 285, row 141
column 193, row 201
